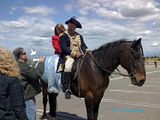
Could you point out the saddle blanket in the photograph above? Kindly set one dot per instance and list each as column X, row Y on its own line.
column 50, row 76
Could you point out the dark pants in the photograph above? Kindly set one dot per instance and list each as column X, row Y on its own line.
column 52, row 103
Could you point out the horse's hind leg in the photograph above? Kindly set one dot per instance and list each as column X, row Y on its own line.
column 45, row 97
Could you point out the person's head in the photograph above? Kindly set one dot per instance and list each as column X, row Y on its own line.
column 73, row 24
column 20, row 54
column 8, row 64
column 59, row 29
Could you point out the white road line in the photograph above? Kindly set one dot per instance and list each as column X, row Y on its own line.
column 134, row 91
column 40, row 110
column 153, row 81
column 153, row 72
column 131, row 103
column 154, row 86
column 117, row 78
column 39, row 113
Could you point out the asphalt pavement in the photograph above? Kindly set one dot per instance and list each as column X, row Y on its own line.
column 121, row 101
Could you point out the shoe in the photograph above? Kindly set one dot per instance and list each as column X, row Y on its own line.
column 68, row 94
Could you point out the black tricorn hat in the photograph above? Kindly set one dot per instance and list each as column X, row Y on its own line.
column 74, row 21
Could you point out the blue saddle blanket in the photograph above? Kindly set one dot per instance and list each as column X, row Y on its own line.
column 50, row 76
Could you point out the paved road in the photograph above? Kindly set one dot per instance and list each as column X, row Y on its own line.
column 121, row 101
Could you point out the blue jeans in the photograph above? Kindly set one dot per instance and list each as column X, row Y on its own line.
column 31, row 109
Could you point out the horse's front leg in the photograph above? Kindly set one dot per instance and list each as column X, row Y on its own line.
column 96, row 106
column 89, row 102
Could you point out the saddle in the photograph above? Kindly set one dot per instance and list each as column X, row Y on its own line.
column 73, row 83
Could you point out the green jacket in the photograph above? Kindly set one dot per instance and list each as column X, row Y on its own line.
column 30, row 80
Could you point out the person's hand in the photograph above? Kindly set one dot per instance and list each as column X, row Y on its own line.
column 73, row 54
column 78, row 55
column 42, row 59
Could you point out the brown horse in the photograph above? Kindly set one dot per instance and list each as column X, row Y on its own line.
column 94, row 72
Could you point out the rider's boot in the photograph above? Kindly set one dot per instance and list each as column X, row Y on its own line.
column 66, row 84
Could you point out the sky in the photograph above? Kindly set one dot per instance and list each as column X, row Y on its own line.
column 30, row 23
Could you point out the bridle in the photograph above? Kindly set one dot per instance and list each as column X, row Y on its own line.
column 132, row 64
column 105, row 70
column 132, row 54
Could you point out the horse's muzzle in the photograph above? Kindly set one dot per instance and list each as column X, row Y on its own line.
column 138, row 82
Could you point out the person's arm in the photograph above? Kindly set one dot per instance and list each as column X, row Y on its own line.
column 16, row 96
column 83, row 45
column 64, row 39
column 30, row 73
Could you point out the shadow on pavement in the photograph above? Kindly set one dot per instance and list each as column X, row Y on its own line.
column 62, row 116
column 68, row 116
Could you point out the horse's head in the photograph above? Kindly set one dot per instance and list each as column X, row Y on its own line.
column 131, row 58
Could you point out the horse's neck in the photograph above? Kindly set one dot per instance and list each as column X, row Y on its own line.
column 107, row 60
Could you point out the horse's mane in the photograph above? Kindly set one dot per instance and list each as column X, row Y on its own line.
column 108, row 49
column 110, row 44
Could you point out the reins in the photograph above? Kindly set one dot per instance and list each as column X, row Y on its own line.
column 104, row 69
column 101, row 68
column 81, row 60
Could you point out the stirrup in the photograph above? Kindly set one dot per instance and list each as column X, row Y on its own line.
column 68, row 93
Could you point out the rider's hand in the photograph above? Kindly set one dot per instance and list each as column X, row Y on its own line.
column 73, row 54
column 78, row 55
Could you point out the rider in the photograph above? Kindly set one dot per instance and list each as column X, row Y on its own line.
column 72, row 47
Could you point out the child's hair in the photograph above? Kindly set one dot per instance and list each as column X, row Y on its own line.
column 60, row 27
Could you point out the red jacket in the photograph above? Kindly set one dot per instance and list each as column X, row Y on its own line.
column 56, row 44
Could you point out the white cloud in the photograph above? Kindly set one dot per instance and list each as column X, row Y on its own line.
column 144, row 10
column 39, row 10
column 8, row 25
column 136, row 8
column 35, row 32
column 109, row 13
column 99, row 31
column 68, row 7
column 102, row 21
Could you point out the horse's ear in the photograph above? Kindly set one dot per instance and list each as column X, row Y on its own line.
column 136, row 43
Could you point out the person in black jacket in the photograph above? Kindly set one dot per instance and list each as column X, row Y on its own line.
column 72, row 47
column 30, row 80
column 12, row 105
